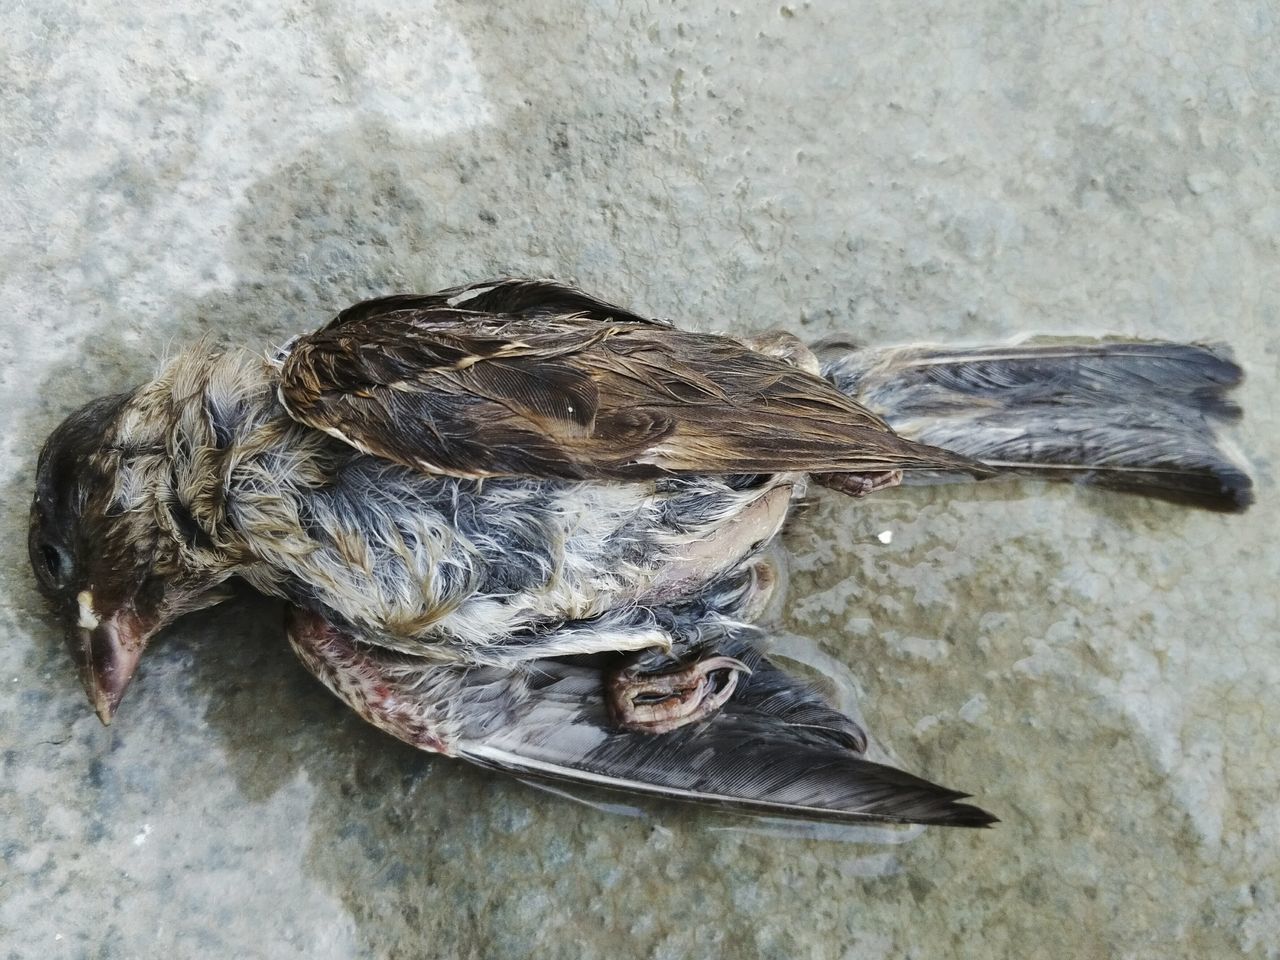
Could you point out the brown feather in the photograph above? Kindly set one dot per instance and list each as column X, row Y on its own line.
column 540, row 393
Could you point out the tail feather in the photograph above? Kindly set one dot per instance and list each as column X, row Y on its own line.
column 1135, row 416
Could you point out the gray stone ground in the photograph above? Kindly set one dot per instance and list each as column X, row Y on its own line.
column 1103, row 673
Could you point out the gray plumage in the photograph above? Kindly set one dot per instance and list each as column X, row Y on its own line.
column 1139, row 416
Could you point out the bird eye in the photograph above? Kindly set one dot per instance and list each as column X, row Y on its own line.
column 52, row 565
column 52, row 561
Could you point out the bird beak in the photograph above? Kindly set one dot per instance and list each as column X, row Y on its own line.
column 107, row 651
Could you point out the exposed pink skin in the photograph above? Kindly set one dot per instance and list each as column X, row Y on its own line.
column 682, row 697
column 391, row 691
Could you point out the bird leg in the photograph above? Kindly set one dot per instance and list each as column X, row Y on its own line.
column 648, row 699
column 859, row 484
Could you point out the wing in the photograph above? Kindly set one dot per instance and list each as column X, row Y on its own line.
column 500, row 380
column 775, row 747
column 513, row 297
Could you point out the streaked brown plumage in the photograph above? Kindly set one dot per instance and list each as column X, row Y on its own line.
column 520, row 525
column 594, row 394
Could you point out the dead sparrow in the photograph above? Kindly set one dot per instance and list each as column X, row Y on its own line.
column 514, row 522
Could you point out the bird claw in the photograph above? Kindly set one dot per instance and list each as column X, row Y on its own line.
column 648, row 702
column 859, row 484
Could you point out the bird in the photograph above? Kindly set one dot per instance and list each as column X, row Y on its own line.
column 517, row 524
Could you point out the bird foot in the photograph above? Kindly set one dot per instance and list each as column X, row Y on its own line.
column 859, row 484
column 645, row 701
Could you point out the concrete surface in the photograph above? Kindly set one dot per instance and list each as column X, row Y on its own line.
column 1103, row 673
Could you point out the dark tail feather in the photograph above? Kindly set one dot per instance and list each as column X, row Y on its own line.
column 776, row 748
column 1128, row 415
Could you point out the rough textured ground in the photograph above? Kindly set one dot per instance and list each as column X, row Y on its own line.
column 1102, row 672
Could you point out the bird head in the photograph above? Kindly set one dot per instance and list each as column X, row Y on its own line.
column 115, row 572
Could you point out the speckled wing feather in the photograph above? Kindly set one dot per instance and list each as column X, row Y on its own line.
column 775, row 747
column 505, row 382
